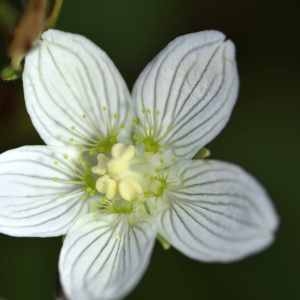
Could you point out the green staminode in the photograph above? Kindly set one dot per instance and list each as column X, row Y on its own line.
column 122, row 207
column 162, row 185
column 89, row 182
column 150, row 144
column 105, row 145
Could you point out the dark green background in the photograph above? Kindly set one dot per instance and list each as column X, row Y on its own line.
column 262, row 136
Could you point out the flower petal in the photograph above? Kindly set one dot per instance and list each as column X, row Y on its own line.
column 104, row 256
column 185, row 96
column 217, row 212
column 37, row 197
column 74, row 93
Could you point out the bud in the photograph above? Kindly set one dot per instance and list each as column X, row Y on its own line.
column 9, row 74
column 28, row 30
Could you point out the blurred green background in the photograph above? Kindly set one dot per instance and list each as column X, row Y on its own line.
column 263, row 136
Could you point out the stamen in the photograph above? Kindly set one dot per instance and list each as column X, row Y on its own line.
column 100, row 169
column 121, row 151
column 121, row 154
column 123, row 178
column 107, row 186
column 130, row 189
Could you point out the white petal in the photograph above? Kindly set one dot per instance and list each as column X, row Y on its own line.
column 185, row 96
column 104, row 257
column 36, row 195
column 217, row 212
column 74, row 93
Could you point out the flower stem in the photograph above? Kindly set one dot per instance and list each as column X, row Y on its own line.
column 55, row 12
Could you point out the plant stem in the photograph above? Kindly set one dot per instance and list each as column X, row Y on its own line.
column 53, row 17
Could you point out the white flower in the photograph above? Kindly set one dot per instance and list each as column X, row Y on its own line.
column 117, row 171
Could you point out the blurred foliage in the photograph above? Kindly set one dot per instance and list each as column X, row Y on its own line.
column 263, row 137
column 8, row 15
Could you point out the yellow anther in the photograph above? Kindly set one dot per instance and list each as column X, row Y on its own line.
column 121, row 155
column 100, row 169
column 117, row 180
column 102, row 159
column 122, row 151
column 116, row 166
column 107, row 186
column 130, row 189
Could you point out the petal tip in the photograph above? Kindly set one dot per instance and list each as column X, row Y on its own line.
column 230, row 50
column 49, row 34
column 274, row 222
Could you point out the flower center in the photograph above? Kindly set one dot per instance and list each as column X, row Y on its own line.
column 116, row 176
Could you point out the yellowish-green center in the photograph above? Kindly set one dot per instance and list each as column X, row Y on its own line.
column 125, row 179
column 116, row 178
